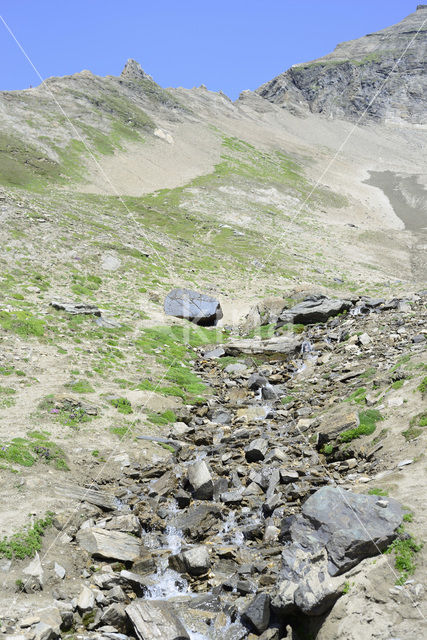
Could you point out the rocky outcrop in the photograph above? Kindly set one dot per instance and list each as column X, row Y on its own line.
column 382, row 74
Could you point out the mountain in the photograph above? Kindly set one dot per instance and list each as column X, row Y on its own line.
column 382, row 75
column 158, row 458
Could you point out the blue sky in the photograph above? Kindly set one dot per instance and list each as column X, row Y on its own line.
column 225, row 44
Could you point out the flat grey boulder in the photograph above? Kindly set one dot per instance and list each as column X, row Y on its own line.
column 350, row 526
column 154, row 620
column 314, row 309
column 110, row 545
column 193, row 306
column 286, row 345
column 257, row 614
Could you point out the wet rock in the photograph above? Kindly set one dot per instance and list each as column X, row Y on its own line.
column 257, row 615
column 200, row 481
column 195, row 561
column 193, row 306
column 111, row 545
column 314, row 309
column 256, row 450
column 154, row 620
column 199, row 520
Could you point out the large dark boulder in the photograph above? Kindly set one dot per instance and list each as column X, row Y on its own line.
column 191, row 305
column 316, row 308
column 350, row 526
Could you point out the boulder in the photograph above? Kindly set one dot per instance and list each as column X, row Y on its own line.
column 85, row 600
column 154, row 620
column 305, row 584
column 284, row 345
column 115, row 615
column 193, row 306
column 110, row 545
column 256, row 450
column 350, row 526
column 257, row 615
column 316, row 308
column 200, row 481
column 195, row 561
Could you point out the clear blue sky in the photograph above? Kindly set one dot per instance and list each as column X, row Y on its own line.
column 225, row 44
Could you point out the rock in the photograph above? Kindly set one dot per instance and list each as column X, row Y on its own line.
column 335, row 422
column 214, row 353
column 351, row 526
column 85, row 600
column 101, row 499
column 127, row 524
column 235, row 367
column 195, row 561
column 110, row 545
column 364, row 339
column 200, row 481
column 114, row 615
column 314, row 309
column 256, row 450
column 256, row 381
column 199, row 520
column 191, row 305
column 34, row 571
column 253, row 413
column 286, row 345
column 76, row 308
column 257, row 615
column 154, row 620
column 59, row 570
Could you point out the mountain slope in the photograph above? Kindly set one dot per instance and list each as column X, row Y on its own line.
column 383, row 73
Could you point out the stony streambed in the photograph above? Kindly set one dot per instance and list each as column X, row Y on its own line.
column 251, row 527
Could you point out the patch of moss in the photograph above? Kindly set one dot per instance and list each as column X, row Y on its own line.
column 162, row 418
column 81, row 386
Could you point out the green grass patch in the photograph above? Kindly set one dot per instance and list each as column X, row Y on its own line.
column 287, row 399
column 26, row 452
column 25, row 543
column 162, row 419
column 367, row 425
column 416, row 426
column 422, row 387
column 122, row 431
column 398, row 384
column 122, row 405
column 358, row 396
column 80, row 386
column 22, row 323
column 377, row 492
column 404, row 548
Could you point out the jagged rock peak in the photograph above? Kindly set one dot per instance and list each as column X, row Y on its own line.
column 133, row 71
column 350, row 81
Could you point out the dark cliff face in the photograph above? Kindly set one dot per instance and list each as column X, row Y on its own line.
column 382, row 75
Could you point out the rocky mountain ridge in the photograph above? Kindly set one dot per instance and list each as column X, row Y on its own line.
column 382, row 76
